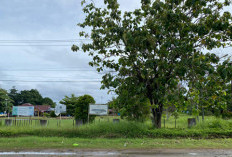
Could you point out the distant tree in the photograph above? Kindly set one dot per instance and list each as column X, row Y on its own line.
column 82, row 108
column 78, row 106
column 30, row 96
column 14, row 95
column 48, row 101
column 71, row 103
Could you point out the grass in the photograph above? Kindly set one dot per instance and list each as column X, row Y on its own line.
column 104, row 128
column 33, row 142
column 103, row 134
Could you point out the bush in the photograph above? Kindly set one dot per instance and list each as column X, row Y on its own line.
column 52, row 114
column 82, row 108
column 46, row 114
column 227, row 115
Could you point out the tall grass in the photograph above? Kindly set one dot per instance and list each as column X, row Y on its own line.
column 210, row 128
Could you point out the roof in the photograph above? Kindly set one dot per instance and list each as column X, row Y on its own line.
column 26, row 104
column 42, row 108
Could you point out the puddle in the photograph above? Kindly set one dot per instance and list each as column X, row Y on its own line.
column 192, row 153
column 102, row 153
column 35, row 153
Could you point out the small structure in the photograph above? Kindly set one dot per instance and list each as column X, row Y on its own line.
column 40, row 109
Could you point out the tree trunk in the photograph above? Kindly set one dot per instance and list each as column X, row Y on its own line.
column 231, row 94
column 202, row 107
column 203, row 114
column 157, row 114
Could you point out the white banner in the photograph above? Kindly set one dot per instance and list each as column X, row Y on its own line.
column 60, row 109
column 23, row 111
column 98, row 109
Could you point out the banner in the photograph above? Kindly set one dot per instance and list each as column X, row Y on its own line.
column 98, row 109
column 60, row 109
column 23, row 111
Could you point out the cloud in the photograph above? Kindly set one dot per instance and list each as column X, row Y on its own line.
column 41, row 20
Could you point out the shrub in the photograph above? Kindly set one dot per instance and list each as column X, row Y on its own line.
column 52, row 114
column 46, row 114
column 227, row 115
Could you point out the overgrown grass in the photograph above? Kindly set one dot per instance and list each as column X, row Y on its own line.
column 211, row 128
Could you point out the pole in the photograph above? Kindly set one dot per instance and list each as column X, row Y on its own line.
column 88, row 113
column 6, row 109
column 60, row 118
column 231, row 93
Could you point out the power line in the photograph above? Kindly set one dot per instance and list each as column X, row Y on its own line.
column 50, row 81
column 39, row 76
column 43, row 40
column 35, row 45
column 87, row 70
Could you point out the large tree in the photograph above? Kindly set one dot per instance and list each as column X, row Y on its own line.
column 152, row 48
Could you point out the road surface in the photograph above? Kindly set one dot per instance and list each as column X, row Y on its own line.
column 121, row 153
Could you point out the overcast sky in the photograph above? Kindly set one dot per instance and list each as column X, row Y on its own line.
column 47, row 20
column 25, row 66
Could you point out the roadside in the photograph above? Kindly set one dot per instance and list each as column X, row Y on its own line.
column 123, row 153
column 38, row 143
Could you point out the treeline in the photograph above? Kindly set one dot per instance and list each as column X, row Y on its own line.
column 15, row 98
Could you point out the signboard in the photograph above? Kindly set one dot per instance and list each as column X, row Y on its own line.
column 98, row 109
column 60, row 109
column 23, row 111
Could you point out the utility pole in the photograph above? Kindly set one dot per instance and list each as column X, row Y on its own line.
column 6, row 109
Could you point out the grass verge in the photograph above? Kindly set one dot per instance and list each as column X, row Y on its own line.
column 33, row 142
column 118, row 130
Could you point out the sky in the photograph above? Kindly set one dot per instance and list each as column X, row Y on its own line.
column 54, row 70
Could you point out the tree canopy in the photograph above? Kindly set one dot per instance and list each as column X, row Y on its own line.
column 78, row 106
column 70, row 103
column 153, row 48
column 32, row 96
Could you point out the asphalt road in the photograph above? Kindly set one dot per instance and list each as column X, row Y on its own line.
column 123, row 153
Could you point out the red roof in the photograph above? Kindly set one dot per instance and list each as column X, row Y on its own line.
column 42, row 108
